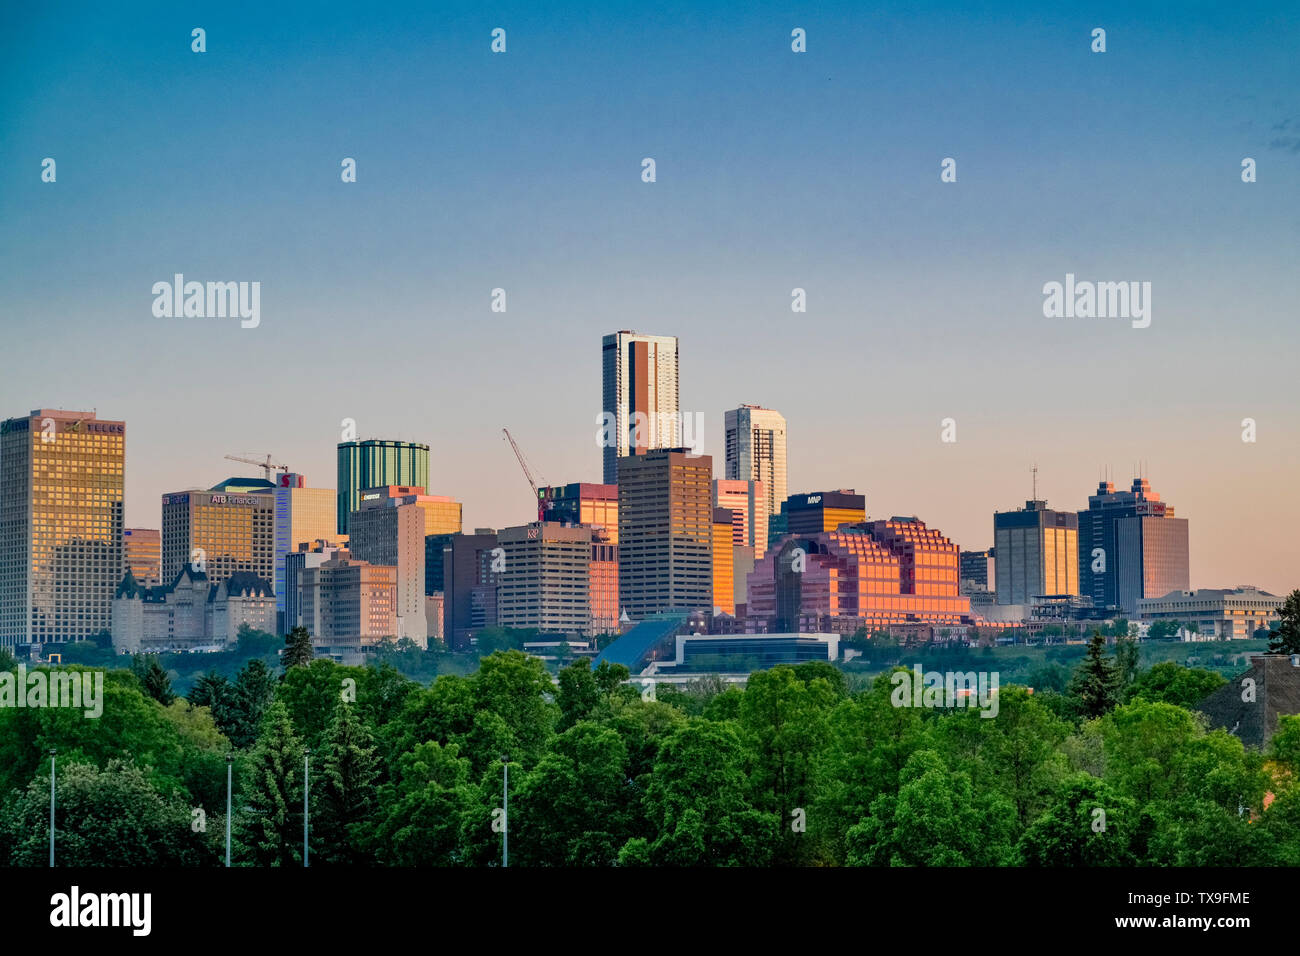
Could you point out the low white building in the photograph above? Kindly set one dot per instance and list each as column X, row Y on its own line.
column 1219, row 613
column 190, row 614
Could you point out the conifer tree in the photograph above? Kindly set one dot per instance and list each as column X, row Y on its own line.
column 297, row 648
column 1286, row 639
column 349, row 767
column 271, row 832
column 1095, row 683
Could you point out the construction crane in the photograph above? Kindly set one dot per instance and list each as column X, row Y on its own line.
column 268, row 466
column 528, row 473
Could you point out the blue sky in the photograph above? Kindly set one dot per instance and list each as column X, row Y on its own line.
column 775, row 170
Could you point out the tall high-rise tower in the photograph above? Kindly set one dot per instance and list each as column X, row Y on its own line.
column 639, row 396
column 375, row 463
column 1037, row 552
column 61, row 485
column 1131, row 547
column 755, row 450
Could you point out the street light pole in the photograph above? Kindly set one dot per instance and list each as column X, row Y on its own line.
column 306, row 789
column 230, row 761
column 505, row 811
column 53, row 753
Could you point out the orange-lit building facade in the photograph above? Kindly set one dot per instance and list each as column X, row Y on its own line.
column 142, row 555
column 748, row 503
column 61, row 488
column 604, row 581
column 582, row 503
column 820, row 511
column 874, row 575
column 724, row 584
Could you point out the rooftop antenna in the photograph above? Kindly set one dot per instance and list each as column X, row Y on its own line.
column 1035, row 471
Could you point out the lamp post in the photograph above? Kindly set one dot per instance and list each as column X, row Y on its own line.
column 53, row 753
column 505, row 810
column 306, row 790
column 230, row 762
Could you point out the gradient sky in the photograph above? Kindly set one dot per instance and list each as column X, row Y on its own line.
column 775, row 170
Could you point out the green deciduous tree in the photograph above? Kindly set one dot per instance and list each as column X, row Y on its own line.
column 1170, row 683
column 937, row 819
column 578, row 694
column 577, row 806
column 696, row 804
column 105, row 817
column 785, row 723
column 421, row 811
column 1087, row 824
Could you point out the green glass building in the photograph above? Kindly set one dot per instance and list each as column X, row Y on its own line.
column 374, row 463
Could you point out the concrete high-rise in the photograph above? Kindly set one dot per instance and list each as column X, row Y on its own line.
column 61, row 524
column 348, row 604
column 639, row 395
column 229, row 527
column 665, row 532
column 388, row 530
column 374, row 463
column 1131, row 547
column 1037, row 553
column 545, row 582
column 755, row 450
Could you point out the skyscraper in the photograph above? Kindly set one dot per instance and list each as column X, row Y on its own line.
column 471, row 572
column 374, row 463
column 228, row 528
column 639, row 396
column 301, row 514
column 755, row 451
column 388, row 530
column 1037, row 552
column 1131, row 547
column 665, row 532
column 61, row 523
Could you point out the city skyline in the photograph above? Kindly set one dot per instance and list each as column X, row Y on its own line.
column 775, row 171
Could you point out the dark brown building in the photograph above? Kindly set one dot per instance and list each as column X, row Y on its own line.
column 1249, row 705
column 665, row 532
